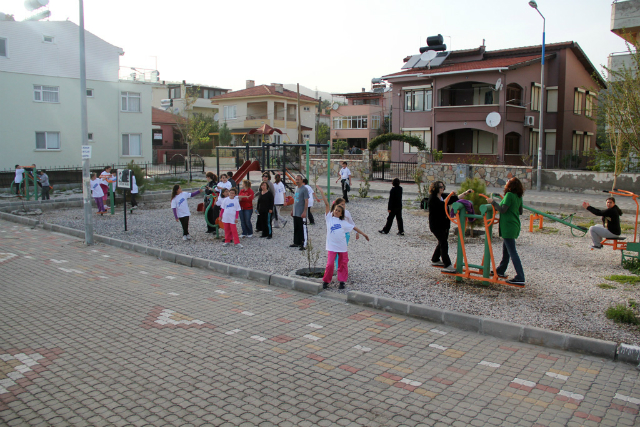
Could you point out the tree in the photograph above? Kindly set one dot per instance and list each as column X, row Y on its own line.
column 388, row 137
column 323, row 133
column 184, row 120
column 619, row 103
column 200, row 127
column 225, row 135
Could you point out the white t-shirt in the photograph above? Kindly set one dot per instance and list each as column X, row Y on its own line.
column 134, row 186
column 104, row 176
column 310, row 195
column 278, row 199
column 230, row 206
column 348, row 217
column 19, row 173
column 220, row 200
column 345, row 173
column 222, row 185
column 336, row 230
column 96, row 190
column 180, row 204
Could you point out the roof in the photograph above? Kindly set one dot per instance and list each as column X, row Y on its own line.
column 360, row 94
column 161, row 117
column 466, row 66
column 260, row 91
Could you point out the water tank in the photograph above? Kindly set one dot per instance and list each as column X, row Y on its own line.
column 438, row 48
column 435, row 40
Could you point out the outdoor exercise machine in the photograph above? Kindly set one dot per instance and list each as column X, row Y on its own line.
column 465, row 270
column 619, row 243
column 206, row 215
column 29, row 178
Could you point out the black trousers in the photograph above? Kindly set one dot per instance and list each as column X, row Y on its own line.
column 298, row 231
column 442, row 250
column 45, row 192
column 397, row 214
column 18, row 185
column 264, row 220
column 310, row 216
column 345, row 193
column 184, row 221
column 134, row 202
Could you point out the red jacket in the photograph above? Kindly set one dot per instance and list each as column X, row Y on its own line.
column 246, row 203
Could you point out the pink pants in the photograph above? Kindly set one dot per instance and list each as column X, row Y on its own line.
column 231, row 231
column 100, row 204
column 343, row 267
column 105, row 190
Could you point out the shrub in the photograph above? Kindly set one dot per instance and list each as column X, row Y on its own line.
column 622, row 314
column 339, row 146
column 141, row 180
column 633, row 265
column 479, row 187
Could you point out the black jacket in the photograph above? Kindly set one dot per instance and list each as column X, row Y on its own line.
column 610, row 218
column 265, row 203
column 395, row 199
column 438, row 219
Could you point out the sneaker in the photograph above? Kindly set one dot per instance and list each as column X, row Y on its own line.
column 242, row 237
column 596, row 247
column 449, row 269
column 437, row 263
column 302, row 248
column 269, row 237
column 325, row 285
column 239, row 245
column 184, row 237
column 250, row 235
column 341, row 286
column 226, row 244
column 294, row 246
column 262, row 236
column 188, row 237
column 502, row 276
column 383, row 232
column 515, row 282
column 400, row 233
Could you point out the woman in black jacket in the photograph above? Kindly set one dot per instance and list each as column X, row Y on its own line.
column 610, row 223
column 394, row 208
column 439, row 223
column 212, row 181
column 265, row 209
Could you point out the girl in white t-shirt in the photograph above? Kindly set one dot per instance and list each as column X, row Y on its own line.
column 347, row 216
column 278, row 201
column 224, row 183
column 97, row 193
column 229, row 212
column 337, row 227
column 180, row 208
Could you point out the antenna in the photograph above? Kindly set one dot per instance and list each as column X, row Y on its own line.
column 335, row 106
column 493, row 119
column 498, row 85
column 428, row 55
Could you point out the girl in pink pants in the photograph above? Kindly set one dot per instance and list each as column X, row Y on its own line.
column 337, row 227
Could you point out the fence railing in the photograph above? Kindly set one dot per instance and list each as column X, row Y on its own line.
column 579, row 160
column 387, row 171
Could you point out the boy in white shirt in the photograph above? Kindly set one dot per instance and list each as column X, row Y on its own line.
column 345, row 175
column 230, row 212
column 19, row 177
column 97, row 193
column 309, row 214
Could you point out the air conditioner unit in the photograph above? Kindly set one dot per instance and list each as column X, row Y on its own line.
column 529, row 121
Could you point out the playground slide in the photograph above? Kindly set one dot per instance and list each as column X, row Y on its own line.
column 246, row 167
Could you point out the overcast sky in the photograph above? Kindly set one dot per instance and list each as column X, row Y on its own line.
column 335, row 46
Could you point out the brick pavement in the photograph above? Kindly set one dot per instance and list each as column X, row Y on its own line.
column 101, row 336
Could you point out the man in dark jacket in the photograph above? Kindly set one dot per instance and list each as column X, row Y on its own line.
column 610, row 227
column 394, row 208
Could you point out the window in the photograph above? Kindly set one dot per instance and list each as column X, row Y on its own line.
column 575, row 146
column 130, row 102
column 375, row 101
column 514, row 94
column 45, row 93
column 89, row 93
column 174, row 92
column 587, row 143
column 306, row 136
column 534, row 138
column 552, row 99
column 229, row 112
column 208, row 93
column 588, row 107
column 350, row 122
column 47, row 39
column 47, row 140
column 276, row 139
column 536, row 89
column 578, row 97
column 307, row 109
column 423, row 134
column 157, row 137
column 418, row 100
column 131, row 144
column 512, row 143
column 550, row 142
column 3, row 47
column 90, row 137
column 375, row 122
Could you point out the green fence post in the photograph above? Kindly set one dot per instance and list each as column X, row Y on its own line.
column 487, row 213
column 112, row 199
column 35, row 182
column 459, row 207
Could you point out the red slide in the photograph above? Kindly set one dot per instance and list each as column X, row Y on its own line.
column 246, row 167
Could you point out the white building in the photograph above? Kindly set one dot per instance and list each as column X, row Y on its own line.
column 177, row 92
column 40, row 108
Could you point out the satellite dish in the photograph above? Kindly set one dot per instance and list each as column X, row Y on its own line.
column 428, row 55
column 498, row 84
column 176, row 110
column 335, row 106
column 493, row 119
column 216, row 116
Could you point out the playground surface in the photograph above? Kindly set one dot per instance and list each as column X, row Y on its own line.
column 562, row 273
column 100, row 336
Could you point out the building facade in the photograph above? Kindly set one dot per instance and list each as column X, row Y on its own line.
column 250, row 108
column 625, row 22
column 40, row 86
column 447, row 105
column 177, row 91
column 362, row 119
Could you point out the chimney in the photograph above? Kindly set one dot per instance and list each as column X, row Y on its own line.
column 363, row 89
column 278, row 87
column 250, row 84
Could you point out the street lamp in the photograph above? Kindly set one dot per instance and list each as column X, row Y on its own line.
column 534, row 5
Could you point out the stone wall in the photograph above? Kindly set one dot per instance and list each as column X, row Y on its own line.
column 587, row 181
column 357, row 163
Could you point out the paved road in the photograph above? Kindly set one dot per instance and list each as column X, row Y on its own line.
column 101, row 336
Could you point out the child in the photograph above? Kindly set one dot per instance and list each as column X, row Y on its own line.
column 246, row 205
column 217, row 206
column 104, row 176
column 180, row 208
column 347, row 217
column 278, row 202
column 231, row 181
column 134, row 192
column 610, row 227
column 394, row 209
column 224, row 183
column 97, row 193
column 345, row 179
column 229, row 212
column 310, row 219
column 337, row 226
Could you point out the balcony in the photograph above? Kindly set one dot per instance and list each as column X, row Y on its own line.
column 617, row 61
column 256, row 123
column 625, row 19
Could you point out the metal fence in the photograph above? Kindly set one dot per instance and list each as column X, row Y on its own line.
column 387, row 171
column 584, row 160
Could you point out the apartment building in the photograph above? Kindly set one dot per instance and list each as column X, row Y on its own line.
column 177, row 91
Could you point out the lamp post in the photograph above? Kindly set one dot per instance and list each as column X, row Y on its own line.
column 86, row 184
column 534, row 5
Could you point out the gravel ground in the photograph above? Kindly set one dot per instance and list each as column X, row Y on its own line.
column 562, row 272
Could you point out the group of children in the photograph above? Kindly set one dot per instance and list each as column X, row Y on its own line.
column 100, row 188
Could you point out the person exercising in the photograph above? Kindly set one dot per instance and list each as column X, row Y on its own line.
column 610, row 227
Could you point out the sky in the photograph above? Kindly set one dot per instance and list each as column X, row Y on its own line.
column 334, row 46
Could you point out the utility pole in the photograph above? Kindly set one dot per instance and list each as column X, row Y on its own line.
column 318, row 119
column 86, row 172
column 299, row 124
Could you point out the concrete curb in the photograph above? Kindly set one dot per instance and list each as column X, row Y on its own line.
column 501, row 329
column 485, row 326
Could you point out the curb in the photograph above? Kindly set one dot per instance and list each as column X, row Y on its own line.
column 501, row 329
column 482, row 325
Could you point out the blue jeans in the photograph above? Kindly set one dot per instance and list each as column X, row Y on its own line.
column 245, row 222
column 509, row 251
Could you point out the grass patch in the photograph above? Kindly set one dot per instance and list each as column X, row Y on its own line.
column 377, row 197
column 622, row 279
column 633, row 265
column 606, row 286
column 626, row 227
column 586, row 224
column 168, row 184
column 622, row 314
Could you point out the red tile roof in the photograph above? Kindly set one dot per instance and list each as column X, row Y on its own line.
column 471, row 65
column 262, row 90
column 161, row 117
